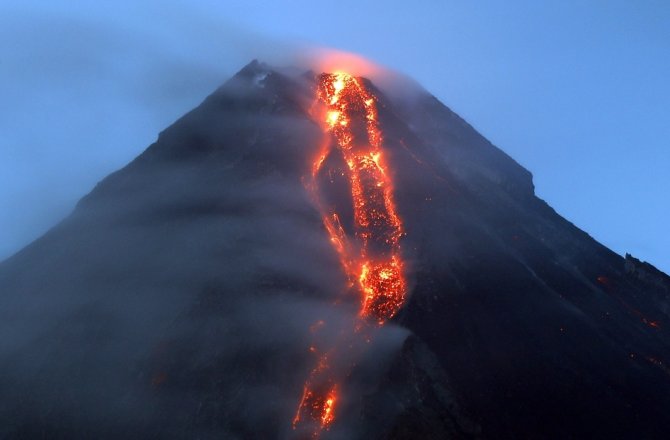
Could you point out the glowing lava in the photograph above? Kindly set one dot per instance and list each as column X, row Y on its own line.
column 371, row 259
column 317, row 405
column 351, row 117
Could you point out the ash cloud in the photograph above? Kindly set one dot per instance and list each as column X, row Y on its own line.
column 177, row 298
column 100, row 87
column 85, row 93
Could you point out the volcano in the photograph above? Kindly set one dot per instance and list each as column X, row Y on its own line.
column 315, row 255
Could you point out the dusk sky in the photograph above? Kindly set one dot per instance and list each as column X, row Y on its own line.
column 577, row 92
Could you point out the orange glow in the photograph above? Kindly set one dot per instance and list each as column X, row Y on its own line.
column 332, row 60
column 327, row 415
column 351, row 117
column 318, row 407
column 650, row 323
column 333, row 118
column 371, row 259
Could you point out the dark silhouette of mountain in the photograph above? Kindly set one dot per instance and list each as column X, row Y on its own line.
column 175, row 301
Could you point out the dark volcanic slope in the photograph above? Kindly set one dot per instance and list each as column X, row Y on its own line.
column 176, row 300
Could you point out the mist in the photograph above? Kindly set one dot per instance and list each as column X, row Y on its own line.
column 117, row 325
column 86, row 93
column 505, row 68
column 186, row 283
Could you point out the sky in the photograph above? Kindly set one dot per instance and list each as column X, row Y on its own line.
column 577, row 92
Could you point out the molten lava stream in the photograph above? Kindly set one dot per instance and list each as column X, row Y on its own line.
column 351, row 117
column 372, row 259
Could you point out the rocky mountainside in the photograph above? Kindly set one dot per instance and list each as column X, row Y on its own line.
column 176, row 300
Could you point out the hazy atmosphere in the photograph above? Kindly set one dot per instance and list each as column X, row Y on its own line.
column 576, row 92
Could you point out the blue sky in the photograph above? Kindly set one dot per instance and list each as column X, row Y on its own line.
column 577, row 92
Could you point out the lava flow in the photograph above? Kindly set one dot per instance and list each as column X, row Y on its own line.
column 372, row 259
column 351, row 117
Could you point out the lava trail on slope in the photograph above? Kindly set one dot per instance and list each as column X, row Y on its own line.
column 372, row 258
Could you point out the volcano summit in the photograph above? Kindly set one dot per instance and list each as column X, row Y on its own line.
column 314, row 255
